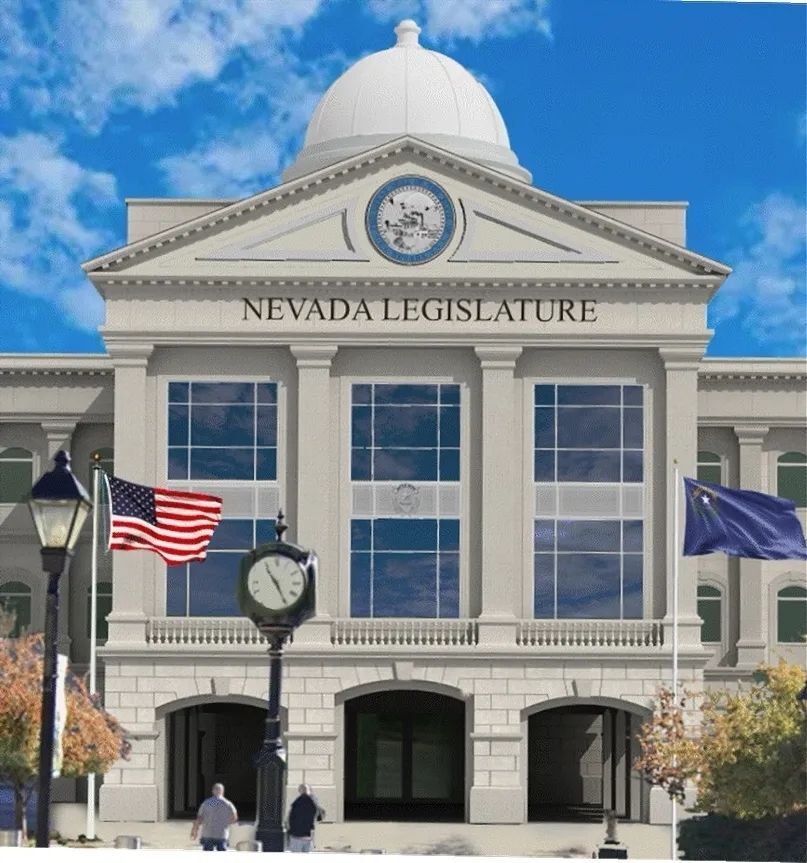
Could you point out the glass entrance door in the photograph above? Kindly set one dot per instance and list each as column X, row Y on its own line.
column 405, row 757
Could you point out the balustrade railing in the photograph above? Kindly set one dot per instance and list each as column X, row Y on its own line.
column 199, row 631
column 389, row 632
column 590, row 633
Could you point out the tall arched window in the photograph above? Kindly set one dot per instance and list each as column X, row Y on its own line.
column 103, row 607
column 710, row 602
column 15, row 597
column 791, row 615
column 106, row 462
column 16, row 474
column 710, row 468
column 791, row 477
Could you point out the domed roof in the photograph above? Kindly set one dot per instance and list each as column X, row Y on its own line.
column 406, row 90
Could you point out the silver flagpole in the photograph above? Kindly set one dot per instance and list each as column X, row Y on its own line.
column 96, row 487
column 676, row 554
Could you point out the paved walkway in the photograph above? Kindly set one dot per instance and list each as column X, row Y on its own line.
column 644, row 841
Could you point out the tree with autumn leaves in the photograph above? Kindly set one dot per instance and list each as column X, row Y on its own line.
column 746, row 758
column 92, row 740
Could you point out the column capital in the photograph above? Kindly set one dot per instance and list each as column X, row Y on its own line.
column 314, row 355
column 681, row 358
column 751, row 434
column 130, row 354
column 59, row 427
column 498, row 356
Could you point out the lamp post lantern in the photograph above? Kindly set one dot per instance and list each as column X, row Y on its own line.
column 59, row 506
column 276, row 591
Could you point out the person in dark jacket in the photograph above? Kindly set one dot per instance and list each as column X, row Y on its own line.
column 303, row 814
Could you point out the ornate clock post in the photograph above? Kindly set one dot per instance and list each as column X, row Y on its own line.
column 276, row 591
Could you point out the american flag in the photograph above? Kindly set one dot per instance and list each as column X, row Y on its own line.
column 177, row 525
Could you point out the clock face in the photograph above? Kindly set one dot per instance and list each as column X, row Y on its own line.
column 410, row 220
column 277, row 582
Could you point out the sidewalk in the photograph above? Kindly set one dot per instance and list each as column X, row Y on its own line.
column 545, row 839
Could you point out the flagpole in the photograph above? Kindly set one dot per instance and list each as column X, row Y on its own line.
column 676, row 556
column 96, row 487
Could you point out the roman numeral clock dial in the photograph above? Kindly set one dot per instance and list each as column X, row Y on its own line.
column 276, row 582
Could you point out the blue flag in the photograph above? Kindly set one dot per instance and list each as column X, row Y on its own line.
column 741, row 523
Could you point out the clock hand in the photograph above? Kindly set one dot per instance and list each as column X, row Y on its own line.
column 282, row 595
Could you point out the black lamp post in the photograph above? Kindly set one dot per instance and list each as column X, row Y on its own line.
column 802, row 697
column 59, row 505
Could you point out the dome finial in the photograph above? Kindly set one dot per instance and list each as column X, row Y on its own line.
column 407, row 32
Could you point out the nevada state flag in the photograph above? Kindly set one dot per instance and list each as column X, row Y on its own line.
column 741, row 523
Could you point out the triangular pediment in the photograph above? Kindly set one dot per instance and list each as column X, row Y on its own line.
column 314, row 228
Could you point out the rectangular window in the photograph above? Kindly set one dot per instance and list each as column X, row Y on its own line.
column 222, row 431
column 207, row 588
column 589, row 473
column 405, row 529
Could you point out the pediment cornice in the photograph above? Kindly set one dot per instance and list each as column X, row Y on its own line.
column 494, row 181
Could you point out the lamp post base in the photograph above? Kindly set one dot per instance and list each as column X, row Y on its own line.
column 272, row 838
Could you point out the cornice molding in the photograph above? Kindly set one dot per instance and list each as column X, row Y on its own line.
column 313, row 356
column 498, row 356
column 391, row 151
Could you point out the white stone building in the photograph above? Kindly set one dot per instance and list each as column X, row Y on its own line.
column 468, row 395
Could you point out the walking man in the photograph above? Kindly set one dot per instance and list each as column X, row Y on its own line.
column 303, row 813
column 215, row 816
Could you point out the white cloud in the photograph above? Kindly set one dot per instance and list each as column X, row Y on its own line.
column 766, row 295
column 92, row 57
column 475, row 20
column 50, row 216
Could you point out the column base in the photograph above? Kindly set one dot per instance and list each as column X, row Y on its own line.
column 128, row 803
column 689, row 633
column 316, row 631
column 496, row 805
column 126, row 628
column 750, row 654
column 497, row 631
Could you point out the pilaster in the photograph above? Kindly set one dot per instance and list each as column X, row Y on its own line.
column 127, row 622
column 58, row 435
column 315, row 495
column 681, row 421
column 500, row 575
column 751, row 644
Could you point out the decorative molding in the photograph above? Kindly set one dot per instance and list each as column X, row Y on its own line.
column 314, row 356
column 498, row 356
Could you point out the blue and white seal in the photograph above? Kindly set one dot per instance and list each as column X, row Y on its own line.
column 410, row 220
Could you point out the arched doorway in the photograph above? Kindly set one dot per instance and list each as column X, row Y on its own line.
column 213, row 742
column 405, row 757
column 580, row 761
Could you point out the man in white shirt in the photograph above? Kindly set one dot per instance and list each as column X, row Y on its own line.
column 215, row 816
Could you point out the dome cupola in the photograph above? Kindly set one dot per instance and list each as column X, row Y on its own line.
column 406, row 90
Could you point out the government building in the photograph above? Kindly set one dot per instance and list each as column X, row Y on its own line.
column 469, row 396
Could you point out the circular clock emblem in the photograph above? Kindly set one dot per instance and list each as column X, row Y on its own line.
column 410, row 220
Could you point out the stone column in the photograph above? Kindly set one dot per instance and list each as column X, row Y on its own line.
column 681, row 369
column 501, row 484
column 127, row 622
column 59, row 435
column 315, row 498
column 751, row 644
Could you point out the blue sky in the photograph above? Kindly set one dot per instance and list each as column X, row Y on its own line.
column 603, row 99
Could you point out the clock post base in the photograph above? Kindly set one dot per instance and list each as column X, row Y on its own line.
column 272, row 838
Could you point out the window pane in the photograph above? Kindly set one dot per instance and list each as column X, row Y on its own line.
column 588, row 466
column 632, row 466
column 450, row 427
column 588, row 535
column 404, row 585
column 213, row 585
column 232, row 533
column 266, row 394
column 544, row 465
column 793, row 591
column 632, row 395
column 544, row 394
column 588, row 585
column 178, row 425
column 709, row 612
column 632, row 587
column 544, row 535
column 222, row 463
column 266, row 426
column 706, row 456
column 544, row 601
column 360, row 534
column 449, row 534
column 450, row 394
column 16, row 479
column 449, row 465
column 632, row 538
column 216, row 425
column 176, row 581
column 405, row 394
column 792, row 484
column 405, row 464
column 177, row 463
column 793, row 458
column 706, row 590
column 632, row 428
column 362, row 394
column 221, row 392
column 449, row 585
column 709, row 473
column 589, row 395
column 416, row 534
column 360, row 464
column 266, row 464
column 588, row 427
column 177, row 392
column 360, row 432
column 544, row 427
column 405, row 426
column 360, row 585
column 792, row 621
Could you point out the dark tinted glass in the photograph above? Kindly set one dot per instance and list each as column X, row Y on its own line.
column 449, row 585
column 588, row 395
column 178, row 425
column 266, row 427
column 360, row 584
column 403, row 464
column 360, row 534
column 584, row 428
column 177, row 392
column 588, row 536
column 176, row 582
column 450, row 465
column 449, row 534
column 450, row 394
column 401, row 534
column 544, row 585
column 405, row 426
column 232, row 533
column 405, row 394
column 709, row 612
column 588, row 585
column 360, row 464
column 177, row 463
column 544, row 394
column 222, row 463
column 450, row 426
column 405, row 585
column 632, row 395
column 544, row 535
column 544, row 465
column 632, row 535
column 633, row 431
column 213, row 586
column 266, row 394
column 544, row 427
column 588, row 466
column 266, row 464
column 362, row 394
column 221, row 392
column 361, row 426
column 632, row 587
column 222, row 425
column 632, row 467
